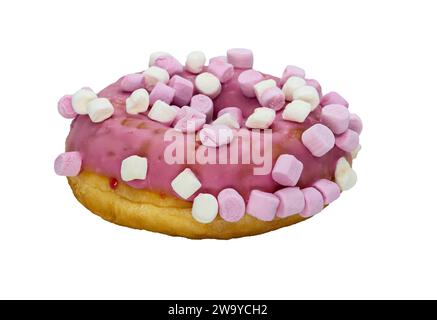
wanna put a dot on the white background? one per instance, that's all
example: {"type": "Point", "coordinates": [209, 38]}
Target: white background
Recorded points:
{"type": "Point", "coordinates": [378, 241]}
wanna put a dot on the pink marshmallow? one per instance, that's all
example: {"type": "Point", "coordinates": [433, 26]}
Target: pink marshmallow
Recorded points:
{"type": "Point", "coordinates": [65, 108]}
{"type": "Point", "coordinates": [315, 84]}
{"type": "Point", "coordinates": [222, 70]}
{"type": "Point", "coordinates": [247, 80]}
{"type": "Point", "coordinates": [291, 201]}
{"type": "Point", "coordinates": [68, 164]}
{"type": "Point", "coordinates": [169, 63]}
{"type": "Point", "coordinates": [204, 104]}
{"type": "Point", "coordinates": [348, 141]}
{"type": "Point", "coordinates": [218, 59]}
{"type": "Point", "coordinates": [215, 135]}
{"type": "Point", "coordinates": [262, 205]}
{"type": "Point", "coordinates": [355, 123]}
{"type": "Point", "coordinates": [240, 58]}
{"type": "Point", "coordinates": [329, 190]}
{"type": "Point", "coordinates": [132, 82]}
{"type": "Point", "coordinates": [313, 202]}
{"type": "Point", "coordinates": [235, 112]}
{"type": "Point", "coordinates": [272, 98]}
{"type": "Point", "coordinates": [333, 98]}
{"type": "Point", "coordinates": [318, 139]}
{"type": "Point", "coordinates": [287, 170]}
{"type": "Point", "coordinates": [335, 117]}
{"type": "Point", "coordinates": [231, 205]}
{"type": "Point", "coordinates": [162, 92]}
{"type": "Point", "coordinates": [291, 71]}
{"type": "Point", "coordinates": [189, 120]}
{"type": "Point", "coordinates": [183, 90]}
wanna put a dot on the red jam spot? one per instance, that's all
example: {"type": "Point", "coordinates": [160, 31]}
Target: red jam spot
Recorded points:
{"type": "Point", "coordinates": [113, 183]}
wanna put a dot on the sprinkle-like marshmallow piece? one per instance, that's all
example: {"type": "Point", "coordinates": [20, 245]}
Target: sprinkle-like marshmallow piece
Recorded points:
{"type": "Point", "coordinates": [132, 82]}
{"type": "Point", "coordinates": [308, 94]}
{"type": "Point", "coordinates": [287, 170]}
{"type": "Point", "coordinates": [153, 75]}
{"type": "Point", "coordinates": [218, 59]}
{"type": "Point", "coordinates": [335, 117]}
{"type": "Point", "coordinates": [247, 80]}
{"type": "Point", "coordinates": [227, 119]}
{"type": "Point", "coordinates": [100, 109]}
{"type": "Point", "coordinates": [189, 120]}
{"type": "Point", "coordinates": [65, 107]}
{"type": "Point", "coordinates": [156, 55]}
{"type": "Point", "coordinates": [345, 176]}
{"type": "Point", "coordinates": [208, 84]}
{"type": "Point", "coordinates": [262, 205]}
{"type": "Point", "coordinates": [329, 190]}
{"type": "Point", "coordinates": [292, 71]}
{"type": "Point", "coordinates": [240, 58]}
{"type": "Point", "coordinates": [215, 135]}
{"type": "Point", "coordinates": [261, 118]}
{"type": "Point", "coordinates": [354, 153]}
{"type": "Point", "coordinates": [185, 184]}
{"type": "Point", "coordinates": [134, 168]}
{"type": "Point", "coordinates": [355, 123]}
{"type": "Point", "coordinates": [348, 141]}
{"type": "Point", "coordinates": [296, 111]}
{"type": "Point", "coordinates": [205, 208]}
{"type": "Point", "coordinates": [261, 86]}
{"type": "Point", "coordinates": [137, 102]}
{"type": "Point", "coordinates": [222, 70]}
{"type": "Point", "coordinates": [333, 98]}
{"type": "Point", "coordinates": [291, 201]}
{"type": "Point", "coordinates": [162, 92]}
{"type": "Point", "coordinates": [195, 62]}
{"type": "Point", "coordinates": [235, 112]}
{"type": "Point", "coordinates": [313, 202]}
{"type": "Point", "coordinates": [291, 85]}
{"type": "Point", "coordinates": [272, 98]}
{"type": "Point", "coordinates": [314, 83]}
{"type": "Point", "coordinates": [170, 64]}
{"type": "Point", "coordinates": [162, 112]}
{"type": "Point", "coordinates": [68, 164]}
{"type": "Point", "coordinates": [80, 100]}
{"type": "Point", "coordinates": [318, 139]}
{"type": "Point", "coordinates": [231, 205]}
{"type": "Point", "coordinates": [183, 90]}
{"type": "Point", "coordinates": [203, 104]}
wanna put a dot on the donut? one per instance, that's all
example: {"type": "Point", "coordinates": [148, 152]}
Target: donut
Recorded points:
{"type": "Point", "coordinates": [208, 151]}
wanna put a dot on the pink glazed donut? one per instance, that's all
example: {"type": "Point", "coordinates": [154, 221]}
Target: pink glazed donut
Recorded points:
{"type": "Point", "coordinates": [208, 151]}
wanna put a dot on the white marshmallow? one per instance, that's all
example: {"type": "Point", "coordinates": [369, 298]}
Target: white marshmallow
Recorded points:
{"type": "Point", "coordinates": [205, 208]}
{"type": "Point", "coordinates": [345, 176]}
{"type": "Point", "coordinates": [261, 118]}
{"type": "Point", "coordinates": [137, 102]}
{"type": "Point", "coordinates": [162, 112]}
{"type": "Point", "coordinates": [228, 120]}
{"type": "Point", "coordinates": [156, 55]}
{"type": "Point", "coordinates": [208, 84]}
{"type": "Point", "coordinates": [134, 167]}
{"type": "Point", "coordinates": [153, 75]}
{"type": "Point", "coordinates": [355, 152]}
{"type": "Point", "coordinates": [100, 109]}
{"type": "Point", "coordinates": [80, 100]}
{"type": "Point", "coordinates": [186, 184]}
{"type": "Point", "coordinates": [291, 85]}
{"type": "Point", "coordinates": [195, 62]}
{"type": "Point", "coordinates": [308, 94]}
{"type": "Point", "coordinates": [296, 111]}
{"type": "Point", "coordinates": [261, 86]}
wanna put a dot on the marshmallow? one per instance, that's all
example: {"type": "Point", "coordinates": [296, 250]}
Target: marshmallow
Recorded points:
{"type": "Point", "coordinates": [195, 62]}
{"type": "Point", "coordinates": [183, 90]}
{"type": "Point", "coordinates": [189, 119]}
{"type": "Point", "coordinates": [235, 112]}
{"type": "Point", "coordinates": [333, 98]}
{"type": "Point", "coordinates": [170, 64]}
{"type": "Point", "coordinates": [355, 123]}
{"type": "Point", "coordinates": [222, 70]}
{"type": "Point", "coordinates": [292, 71]}
{"type": "Point", "coordinates": [133, 168]}
{"type": "Point", "coordinates": [218, 59]}
{"type": "Point", "coordinates": [345, 176]}
{"type": "Point", "coordinates": [291, 201]}
{"type": "Point", "coordinates": [348, 141]}
{"type": "Point", "coordinates": [291, 85]}
{"type": "Point", "coordinates": [308, 94]}
{"type": "Point", "coordinates": [231, 205]}
{"type": "Point", "coordinates": [227, 119]}
{"type": "Point", "coordinates": [314, 83]}
{"type": "Point", "coordinates": [137, 102]}
{"type": "Point", "coordinates": [287, 170]}
{"type": "Point", "coordinates": [247, 80]}
{"type": "Point", "coordinates": [80, 100]}
{"type": "Point", "coordinates": [68, 164]}
{"type": "Point", "coordinates": [313, 202]}
{"type": "Point", "coordinates": [153, 75]}
{"type": "Point", "coordinates": [205, 208]}
{"type": "Point", "coordinates": [296, 111]}
{"type": "Point", "coordinates": [272, 98]}
{"type": "Point", "coordinates": [261, 118]}
{"type": "Point", "coordinates": [262, 205]}
{"type": "Point", "coordinates": [132, 82]}
{"type": "Point", "coordinates": [156, 55]}
{"type": "Point", "coordinates": [162, 112]}
{"type": "Point", "coordinates": [215, 135]}
{"type": "Point", "coordinates": [335, 117]}
{"type": "Point", "coordinates": [318, 139]}
{"type": "Point", "coordinates": [261, 86]}
{"type": "Point", "coordinates": [354, 153]}
{"type": "Point", "coordinates": [329, 190]}
{"type": "Point", "coordinates": [240, 58]}
{"type": "Point", "coordinates": [100, 109]}
{"type": "Point", "coordinates": [185, 184]}
{"type": "Point", "coordinates": [208, 84]}
{"type": "Point", "coordinates": [203, 104]}
{"type": "Point", "coordinates": [65, 107]}
{"type": "Point", "coordinates": [162, 92]}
